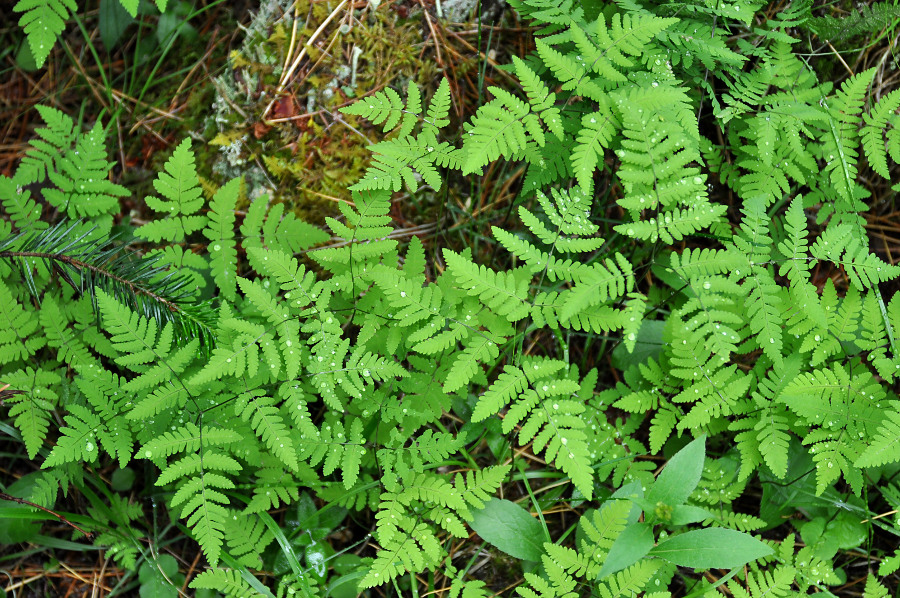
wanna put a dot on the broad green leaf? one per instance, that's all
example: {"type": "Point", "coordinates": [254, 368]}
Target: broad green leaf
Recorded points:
{"type": "Point", "coordinates": [634, 492]}
{"type": "Point", "coordinates": [680, 476]}
{"type": "Point", "coordinates": [684, 514]}
{"type": "Point", "coordinates": [16, 523]}
{"type": "Point", "coordinates": [632, 545]}
{"type": "Point", "coordinates": [508, 527]}
{"type": "Point", "coordinates": [114, 20]}
{"type": "Point", "coordinates": [711, 548]}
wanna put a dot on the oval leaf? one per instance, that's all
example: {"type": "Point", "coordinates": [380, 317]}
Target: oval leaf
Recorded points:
{"type": "Point", "coordinates": [680, 476]}
{"type": "Point", "coordinates": [508, 527]}
{"type": "Point", "coordinates": [711, 548]}
{"type": "Point", "coordinates": [632, 545]}
{"type": "Point", "coordinates": [684, 514]}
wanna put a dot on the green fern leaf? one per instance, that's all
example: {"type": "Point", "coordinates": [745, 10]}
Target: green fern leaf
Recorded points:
{"type": "Point", "coordinates": [606, 50]}
{"type": "Point", "coordinates": [495, 130]}
{"type": "Point", "coordinates": [260, 412]}
{"type": "Point", "coordinates": [187, 439]}
{"type": "Point", "coordinates": [382, 107]}
{"type": "Point", "coordinates": [570, 71]}
{"type": "Point", "coordinates": [192, 464]}
{"type": "Point", "coordinates": [201, 500]}
{"type": "Point", "coordinates": [275, 487]}
{"type": "Point", "coordinates": [674, 225]}
{"type": "Point", "coordinates": [841, 244]}
{"type": "Point", "coordinates": [872, 137]}
{"type": "Point", "coordinates": [483, 348]}
{"type": "Point", "coordinates": [439, 107]}
{"type": "Point", "coordinates": [18, 340]}
{"type": "Point", "coordinates": [764, 308]}
{"type": "Point", "coordinates": [31, 408]}
{"type": "Point", "coordinates": [841, 141]}
{"type": "Point", "coordinates": [605, 281]}
{"type": "Point", "coordinates": [882, 449]}
{"type": "Point", "coordinates": [42, 22]}
{"type": "Point", "coordinates": [70, 348]}
{"type": "Point", "coordinates": [503, 292]}
{"type": "Point", "coordinates": [874, 589]}
{"type": "Point", "coordinates": [179, 187]}
{"type": "Point", "coordinates": [509, 384]}
{"type": "Point", "coordinates": [83, 188]}
{"type": "Point", "coordinates": [53, 142]}
{"type": "Point", "coordinates": [23, 211]}
{"type": "Point", "coordinates": [220, 232]}
{"type": "Point", "coordinates": [398, 558]}
{"type": "Point", "coordinates": [595, 136]}
{"type": "Point", "coordinates": [79, 438]}
{"type": "Point", "coordinates": [228, 581]}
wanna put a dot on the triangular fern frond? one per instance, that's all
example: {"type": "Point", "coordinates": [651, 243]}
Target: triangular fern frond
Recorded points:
{"type": "Point", "coordinates": [42, 22]}
{"type": "Point", "coordinates": [181, 198]}
{"type": "Point", "coordinates": [82, 187]}
{"type": "Point", "coordinates": [54, 140]}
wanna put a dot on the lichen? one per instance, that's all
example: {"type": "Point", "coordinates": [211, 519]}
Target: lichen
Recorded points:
{"type": "Point", "coordinates": [288, 138]}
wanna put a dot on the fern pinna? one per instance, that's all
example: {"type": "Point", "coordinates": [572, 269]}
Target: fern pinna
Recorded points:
{"type": "Point", "coordinates": [735, 295]}
{"type": "Point", "coordinates": [43, 21]}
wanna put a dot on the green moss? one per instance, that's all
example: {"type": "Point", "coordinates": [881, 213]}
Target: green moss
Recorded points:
{"type": "Point", "coordinates": [293, 140]}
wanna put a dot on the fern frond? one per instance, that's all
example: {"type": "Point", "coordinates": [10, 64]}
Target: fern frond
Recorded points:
{"type": "Point", "coordinates": [186, 439]}
{"type": "Point", "coordinates": [70, 348]}
{"type": "Point", "coordinates": [79, 438]}
{"type": "Point", "coordinates": [83, 188]}
{"type": "Point", "coordinates": [655, 168]}
{"type": "Point", "coordinates": [43, 21]}
{"type": "Point", "coordinates": [23, 211]}
{"type": "Point", "coordinates": [597, 130]}
{"type": "Point", "coordinates": [607, 49]}
{"type": "Point", "coordinates": [179, 187]}
{"type": "Point", "coordinates": [841, 139]}
{"type": "Point", "coordinates": [477, 487]}
{"type": "Point", "coordinates": [506, 293]}
{"type": "Point", "coordinates": [192, 464]}
{"type": "Point", "coordinates": [499, 128]}
{"type": "Point", "coordinates": [481, 348]}
{"type": "Point", "coordinates": [605, 281]}
{"type": "Point", "coordinates": [872, 132]}
{"type": "Point", "coordinates": [674, 225]}
{"type": "Point", "coordinates": [509, 384]}
{"type": "Point", "coordinates": [18, 326]}
{"type": "Point", "coordinates": [366, 230]}
{"type": "Point", "coordinates": [549, 414]}
{"type": "Point", "coordinates": [411, 552]}
{"type": "Point", "coordinates": [764, 308]}
{"type": "Point", "coordinates": [776, 584]}
{"type": "Point", "coordinates": [201, 499]}
{"type": "Point", "coordinates": [882, 448]}
{"type": "Point", "coordinates": [220, 232]}
{"type": "Point", "coordinates": [255, 408]}
{"type": "Point", "coordinates": [570, 71]}
{"type": "Point", "coordinates": [228, 581]}
{"type": "Point", "coordinates": [54, 140]}
{"type": "Point", "coordinates": [32, 406]}
{"type": "Point", "coordinates": [439, 107]}
{"type": "Point", "coordinates": [842, 245]}
{"type": "Point", "coordinates": [381, 107]}
{"type": "Point", "coordinates": [397, 161]}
